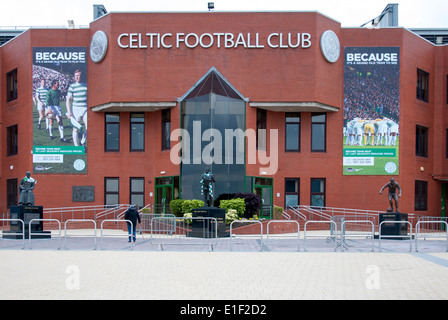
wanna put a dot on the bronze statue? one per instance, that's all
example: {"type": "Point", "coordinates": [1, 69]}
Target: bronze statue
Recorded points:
{"type": "Point", "coordinates": [26, 187]}
{"type": "Point", "coordinates": [393, 186]}
{"type": "Point", "coordinates": [207, 187]}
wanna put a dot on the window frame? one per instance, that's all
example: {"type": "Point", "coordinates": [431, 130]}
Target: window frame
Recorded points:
{"type": "Point", "coordinates": [261, 125]}
{"type": "Point", "coordinates": [292, 123]}
{"type": "Point", "coordinates": [111, 193]}
{"type": "Point", "coordinates": [137, 193]}
{"type": "Point", "coordinates": [422, 92]}
{"type": "Point", "coordinates": [295, 193]}
{"type": "Point", "coordinates": [132, 124]}
{"type": "Point", "coordinates": [421, 141]}
{"type": "Point", "coordinates": [108, 124]}
{"type": "Point", "coordinates": [12, 140]}
{"type": "Point", "coordinates": [166, 121]}
{"type": "Point", "coordinates": [319, 123]}
{"type": "Point", "coordinates": [320, 193]}
{"type": "Point", "coordinates": [421, 195]}
{"type": "Point", "coordinates": [11, 86]}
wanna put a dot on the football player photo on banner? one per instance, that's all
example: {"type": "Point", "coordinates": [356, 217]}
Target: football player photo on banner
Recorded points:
{"type": "Point", "coordinates": [371, 111]}
{"type": "Point", "coordinates": [60, 110]}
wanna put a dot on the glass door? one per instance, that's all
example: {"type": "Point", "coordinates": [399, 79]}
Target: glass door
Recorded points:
{"type": "Point", "coordinates": [167, 189]}
{"type": "Point", "coordinates": [265, 192]}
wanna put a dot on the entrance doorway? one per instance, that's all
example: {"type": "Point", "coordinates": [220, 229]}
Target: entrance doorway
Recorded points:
{"type": "Point", "coordinates": [167, 189]}
{"type": "Point", "coordinates": [263, 187]}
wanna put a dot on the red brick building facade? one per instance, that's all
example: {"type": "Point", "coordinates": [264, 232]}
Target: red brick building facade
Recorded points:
{"type": "Point", "coordinates": [274, 62]}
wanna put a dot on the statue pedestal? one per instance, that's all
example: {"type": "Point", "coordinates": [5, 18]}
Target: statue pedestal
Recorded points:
{"type": "Point", "coordinates": [205, 228]}
{"type": "Point", "coordinates": [393, 228]}
{"type": "Point", "coordinates": [26, 214]}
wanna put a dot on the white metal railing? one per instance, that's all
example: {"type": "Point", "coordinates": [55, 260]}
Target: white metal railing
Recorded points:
{"type": "Point", "coordinates": [422, 231]}
{"type": "Point", "coordinates": [184, 231]}
{"type": "Point", "coordinates": [79, 234]}
{"type": "Point", "coordinates": [30, 233]}
{"type": "Point", "coordinates": [96, 212]}
{"type": "Point", "coordinates": [115, 235]}
{"type": "Point", "coordinates": [173, 230]}
{"type": "Point", "coordinates": [239, 235]}
{"type": "Point", "coordinates": [358, 232]}
{"type": "Point", "coordinates": [332, 236]}
{"type": "Point", "coordinates": [407, 235]}
{"type": "Point", "coordinates": [17, 233]}
{"type": "Point", "coordinates": [294, 236]}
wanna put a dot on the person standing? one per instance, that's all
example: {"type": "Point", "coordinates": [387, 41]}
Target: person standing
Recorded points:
{"type": "Point", "coordinates": [133, 216]}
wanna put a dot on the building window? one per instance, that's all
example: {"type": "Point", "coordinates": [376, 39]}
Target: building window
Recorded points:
{"type": "Point", "coordinates": [112, 132]}
{"type": "Point", "coordinates": [11, 85]}
{"type": "Point", "coordinates": [137, 192]}
{"type": "Point", "coordinates": [422, 85]}
{"type": "Point", "coordinates": [318, 192]}
{"type": "Point", "coordinates": [166, 129]}
{"type": "Point", "coordinates": [292, 131]}
{"type": "Point", "coordinates": [421, 195]}
{"type": "Point", "coordinates": [421, 141]}
{"type": "Point", "coordinates": [111, 191]}
{"type": "Point", "coordinates": [318, 132]}
{"type": "Point", "coordinates": [11, 192]}
{"type": "Point", "coordinates": [137, 132]}
{"type": "Point", "coordinates": [292, 192]}
{"type": "Point", "coordinates": [11, 140]}
{"type": "Point", "coordinates": [261, 129]}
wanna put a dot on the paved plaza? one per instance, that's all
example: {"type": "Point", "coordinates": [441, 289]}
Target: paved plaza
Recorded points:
{"type": "Point", "coordinates": [181, 273]}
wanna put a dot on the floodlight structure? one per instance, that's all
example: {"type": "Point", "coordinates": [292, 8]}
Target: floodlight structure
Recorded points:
{"type": "Point", "coordinates": [387, 18]}
{"type": "Point", "coordinates": [98, 11]}
{"type": "Point", "coordinates": [211, 6]}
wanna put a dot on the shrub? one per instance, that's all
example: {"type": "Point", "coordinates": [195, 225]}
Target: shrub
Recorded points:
{"type": "Point", "coordinates": [176, 207]}
{"type": "Point", "coordinates": [252, 202]}
{"type": "Point", "coordinates": [188, 205]}
{"type": "Point", "coordinates": [146, 210]}
{"type": "Point", "coordinates": [236, 204]}
{"type": "Point", "coordinates": [231, 215]}
{"type": "Point", "coordinates": [278, 211]}
{"type": "Point", "coordinates": [188, 217]}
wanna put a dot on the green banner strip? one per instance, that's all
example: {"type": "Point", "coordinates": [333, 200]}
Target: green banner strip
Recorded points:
{"type": "Point", "coordinates": [380, 152]}
{"type": "Point", "coordinates": [58, 150]}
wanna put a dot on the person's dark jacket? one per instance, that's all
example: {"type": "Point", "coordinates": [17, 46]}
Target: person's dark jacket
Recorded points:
{"type": "Point", "coordinates": [132, 215]}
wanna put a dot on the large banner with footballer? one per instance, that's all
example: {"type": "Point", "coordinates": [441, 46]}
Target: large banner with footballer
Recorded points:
{"type": "Point", "coordinates": [60, 110]}
{"type": "Point", "coordinates": [371, 110]}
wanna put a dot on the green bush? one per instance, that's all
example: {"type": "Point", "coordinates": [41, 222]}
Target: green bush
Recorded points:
{"type": "Point", "coordinates": [146, 210]}
{"type": "Point", "coordinates": [176, 207]}
{"type": "Point", "coordinates": [278, 211]}
{"type": "Point", "coordinates": [189, 205]}
{"type": "Point", "coordinates": [236, 204]}
{"type": "Point", "coordinates": [231, 216]}
{"type": "Point", "coordinates": [252, 201]}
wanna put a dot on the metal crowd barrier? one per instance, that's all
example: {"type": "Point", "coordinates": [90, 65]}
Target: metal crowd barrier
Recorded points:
{"type": "Point", "coordinates": [408, 235]}
{"type": "Point", "coordinates": [78, 234]}
{"type": "Point", "coordinates": [114, 235]}
{"type": "Point", "coordinates": [203, 231]}
{"type": "Point", "coordinates": [233, 236]}
{"type": "Point", "coordinates": [30, 234]}
{"type": "Point", "coordinates": [284, 236]}
{"type": "Point", "coordinates": [357, 233]}
{"type": "Point", "coordinates": [184, 231]}
{"type": "Point", "coordinates": [426, 235]}
{"type": "Point", "coordinates": [23, 229]}
{"type": "Point", "coordinates": [333, 232]}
